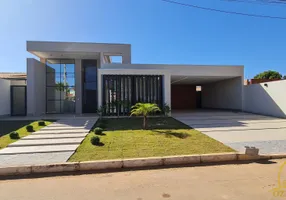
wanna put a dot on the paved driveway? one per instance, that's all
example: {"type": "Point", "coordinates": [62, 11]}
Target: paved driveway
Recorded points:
{"type": "Point", "coordinates": [238, 130]}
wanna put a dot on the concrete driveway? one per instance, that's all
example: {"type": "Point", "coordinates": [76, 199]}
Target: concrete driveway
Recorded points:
{"type": "Point", "coordinates": [238, 130]}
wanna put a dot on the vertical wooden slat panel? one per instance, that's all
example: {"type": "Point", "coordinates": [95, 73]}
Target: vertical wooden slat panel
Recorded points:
{"type": "Point", "coordinates": [130, 89]}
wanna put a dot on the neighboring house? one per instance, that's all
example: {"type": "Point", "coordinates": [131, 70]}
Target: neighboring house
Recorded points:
{"type": "Point", "coordinates": [16, 78]}
{"type": "Point", "coordinates": [13, 93]}
{"type": "Point", "coordinates": [73, 77]}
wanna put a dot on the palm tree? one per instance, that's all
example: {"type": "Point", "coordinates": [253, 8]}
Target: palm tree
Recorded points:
{"type": "Point", "coordinates": [144, 109]}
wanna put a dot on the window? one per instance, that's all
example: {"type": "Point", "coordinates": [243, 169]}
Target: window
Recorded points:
{"type": "Point", "coordinates": [60, 82]}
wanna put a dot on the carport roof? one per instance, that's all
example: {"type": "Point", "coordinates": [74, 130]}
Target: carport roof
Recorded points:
{"type": "Point", "coordinates": [197, 80]}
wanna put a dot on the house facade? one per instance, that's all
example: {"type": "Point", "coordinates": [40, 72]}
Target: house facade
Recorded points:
{"type": "Point", "coordinates": [78, 78]}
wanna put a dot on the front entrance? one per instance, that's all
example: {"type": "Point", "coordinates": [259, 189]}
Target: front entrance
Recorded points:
{"type": "Point", "coordinates": [89, 84]}
{"type": "Point", "coordinates": [18, 100]}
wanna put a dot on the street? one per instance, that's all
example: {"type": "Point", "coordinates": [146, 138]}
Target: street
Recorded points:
{"type": "Point", "coordinates": [233, 181]}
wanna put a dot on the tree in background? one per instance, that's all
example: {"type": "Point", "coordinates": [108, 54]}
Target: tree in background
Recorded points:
{"type": "Point", "coordinates": [284, 77]}
{"type": "Point", "coordinates": [268, 75]}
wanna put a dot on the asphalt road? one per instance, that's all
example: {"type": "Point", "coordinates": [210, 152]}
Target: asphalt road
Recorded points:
{"type": "Point", "coordinates": [243, 181]}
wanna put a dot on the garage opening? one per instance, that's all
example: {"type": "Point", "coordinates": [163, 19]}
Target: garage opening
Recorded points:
{"type": "Point", "coordinates": [212, 92]}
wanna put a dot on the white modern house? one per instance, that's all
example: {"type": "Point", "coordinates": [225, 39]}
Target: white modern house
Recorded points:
{"type": "Point", "coordinates": [72, 77]}
{"type": "Point", "coordinates": [78, 78]}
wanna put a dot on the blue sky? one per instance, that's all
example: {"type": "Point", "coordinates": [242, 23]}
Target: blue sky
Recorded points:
{"type": "Point", "coordinates": [159, 32]}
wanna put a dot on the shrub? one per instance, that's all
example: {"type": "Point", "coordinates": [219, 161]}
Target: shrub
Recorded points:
{"type": "Point", "coordinates": [14, 135]}
{"type": "Point", "coordinates": [98, 131]}
{"type": "Point", "coordinates": [101, 125]}
{"type": "Point", "coordinates": [41, 123]}
{"type": "Point", "coordinates": [95, 140]}
{"type": "Point", "coordinates": [30, 128]}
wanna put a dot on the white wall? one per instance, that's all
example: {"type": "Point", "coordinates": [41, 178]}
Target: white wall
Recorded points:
{"type": "Point", "coordinates": [79, 47]}
{"type": "Point", "coordinates": [5, 97]}
{"type": "Point", "coordinates": [226, 94]}
{"type": "Point", "coordinates": [180, 70]}
{"type": "Point", "coordinates": [36, 87]}
{"type": "Point", "coordinates": [267, 100]}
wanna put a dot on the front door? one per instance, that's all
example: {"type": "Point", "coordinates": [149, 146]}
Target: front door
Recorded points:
{"type": "Point", "coordinates": [89, 82]}
{"type": "Point", "coordinates": [18, 100]}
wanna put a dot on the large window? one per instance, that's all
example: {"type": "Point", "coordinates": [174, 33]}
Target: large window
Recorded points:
{"type": "Point", "coordinates": [60, 82]}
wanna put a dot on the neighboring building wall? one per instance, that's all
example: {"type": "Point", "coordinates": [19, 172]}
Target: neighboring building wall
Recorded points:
{"type": "Point", "coordinates": [269, 99]}
{"type": "Point", "coordinates": [18, 82]}
{"type": "Point", "coordinates": [5, 97]}
{"type": "Point", "coordinates": [183, 97]}
{"type": "Point", "coordinates": [36, 87]}
{"type": "Point", "coordinates": [226, 94]}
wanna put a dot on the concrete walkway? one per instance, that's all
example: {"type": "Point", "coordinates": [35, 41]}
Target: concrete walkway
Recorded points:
{"type": "Point", "coordinates": [52, 144]}
{"type": "Point", "coordinates": [238, 130]}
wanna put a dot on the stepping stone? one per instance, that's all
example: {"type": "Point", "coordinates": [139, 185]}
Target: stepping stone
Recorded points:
{"type": "Point", "coordinates": [59, 131]}
{"type": "Point", "coordinates": [54, 136]}
{"type": "Point", "coordinates": [42, 142]}
{"type": "Point", "coordinates": [64, 128]}
{"type": "Point", "coordinates": [38, 149]}
{"type": "Point", "coordinates": [34, 159]}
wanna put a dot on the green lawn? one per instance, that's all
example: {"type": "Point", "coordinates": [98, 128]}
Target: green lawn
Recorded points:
{"type": "Point", "coordinates": [124, 138]}
{"type": "Point", "coordinates": [5, 139]}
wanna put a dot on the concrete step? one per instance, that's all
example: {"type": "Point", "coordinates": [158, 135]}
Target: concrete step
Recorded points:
{"type": "Point", "coordinates": [53, 136]}
{"type": "Point", "coordinates": [43, 142]}
{"type": "Point", "coordinates": [38, 149]}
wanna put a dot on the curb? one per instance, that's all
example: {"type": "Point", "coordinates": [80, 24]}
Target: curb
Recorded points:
{"type": "Point", "coordinates": [133, 163]}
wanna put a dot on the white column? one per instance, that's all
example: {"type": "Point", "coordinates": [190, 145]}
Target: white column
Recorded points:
{"type": "Point", "coordinates": [78, 87]}
{"type": "Point", "coordinates": [167, 89]}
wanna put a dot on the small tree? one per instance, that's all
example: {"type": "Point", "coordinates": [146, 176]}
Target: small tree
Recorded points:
{"type": "Point", "coordinates": [284, 77]}
{"type": "Point", "coordinates": [144, 109]}
{"type": "Point", "coordinates": [268, 75]}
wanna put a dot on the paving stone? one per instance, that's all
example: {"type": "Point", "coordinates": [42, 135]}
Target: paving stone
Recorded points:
{"type": "Point", "coordinates": [37, 149]}
{"type": "Point", "coordinates": [34, 159]}
{"type": "Point", "coordinates": [54, 136]}
{"type": "Point", "coordinates": [46, 142]}
{"type": "Point", "coordinates": [61, 131]}
{"type": "Point", "coordinates": [63, 128]}
{"type": "Point", "coordinates": [52, 144]}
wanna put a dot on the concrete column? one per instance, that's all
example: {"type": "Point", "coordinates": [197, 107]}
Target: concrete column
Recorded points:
{"type": "Point", "coordinates": [100, 60]}
{"type": "Point", "coordinates": [36, 87]}
{"type": "Point", "coordinates": [99, 89]}
{"type": "Point", "coordinates": [78, 87]}
{"type": "Point", "coordinates": [167, 89]}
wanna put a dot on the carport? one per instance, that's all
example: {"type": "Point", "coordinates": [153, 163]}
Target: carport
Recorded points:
{"type": "Point", "coordinates": [216, 92]}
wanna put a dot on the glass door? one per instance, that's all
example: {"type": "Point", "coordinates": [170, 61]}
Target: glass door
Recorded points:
{"type": "Point", "coordinates": [89, 100]}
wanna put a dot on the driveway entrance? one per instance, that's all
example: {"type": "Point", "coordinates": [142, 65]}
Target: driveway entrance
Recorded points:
{"type": "Point", "coordinates": [238, 130]}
